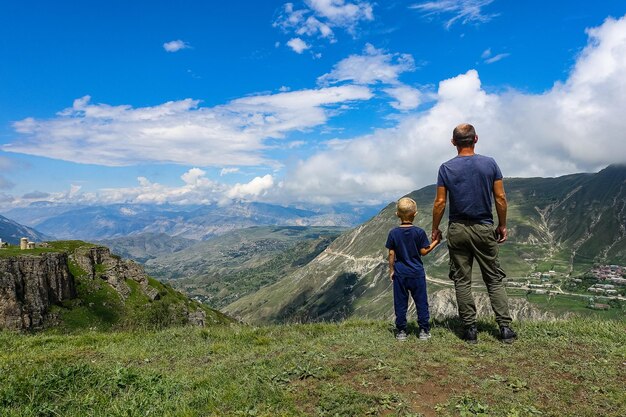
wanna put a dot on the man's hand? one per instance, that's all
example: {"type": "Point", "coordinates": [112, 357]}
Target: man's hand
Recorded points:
{"type": "Point", "coordinates": [391, 275]}
{"type": "Point", "coordinates": [501, 234]}
{"type": "Point", "coordinates": [436, 235]}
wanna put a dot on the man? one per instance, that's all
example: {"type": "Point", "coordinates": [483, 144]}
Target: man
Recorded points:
{"type": "Point", "coordinates": [470, 180]}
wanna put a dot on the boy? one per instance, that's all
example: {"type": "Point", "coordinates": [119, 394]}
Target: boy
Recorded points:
{"type": "Point", "coordinates": [406, 244]}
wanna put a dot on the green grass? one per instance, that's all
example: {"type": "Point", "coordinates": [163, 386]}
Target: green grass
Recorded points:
{"type": "Point", "coordinates": [68, 246]}
{"type": "Point", "coordinates": [16, 251]}
{"type": "Point", "coordinates": [564, 304]}
{"type": "Point", "coordinates": [96, 306]}
{"type": "Point", "coordinates": [354, 368]}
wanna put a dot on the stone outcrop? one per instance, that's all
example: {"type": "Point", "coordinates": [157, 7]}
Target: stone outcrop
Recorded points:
{"type": "Point", "coordinates": [443, 304]}
{"type": "Point", "coordinates": [99, 263]}
{"type": "Point", "coordinates": [29, 285]}
{"type": "Point", "coordinates": [196, 318]}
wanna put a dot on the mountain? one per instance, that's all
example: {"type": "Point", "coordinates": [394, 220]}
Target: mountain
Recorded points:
{"type": "Point", "coordinates": [198, 222]}
{"type": "Point", "coordinates": [224, 268]}
{"type": "Point", "coordinates": [12, 232]}
{"type": "Point", "coordinates": [560, 226]}
{"type": "Point", "coordinates": [39, 211]}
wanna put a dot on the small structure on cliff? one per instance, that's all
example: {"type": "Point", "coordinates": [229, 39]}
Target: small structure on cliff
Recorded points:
{"type": "Point", "coordinates": [26, 244]}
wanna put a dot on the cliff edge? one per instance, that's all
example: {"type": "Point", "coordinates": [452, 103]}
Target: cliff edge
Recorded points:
{"type": "Point", "coordinates": [30, 285]}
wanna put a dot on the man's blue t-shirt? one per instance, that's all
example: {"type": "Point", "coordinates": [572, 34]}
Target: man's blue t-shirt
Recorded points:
{"type": "Point", "coordinates": [469, 181]}
{"type": "Point", "coordinates": [406, 243]}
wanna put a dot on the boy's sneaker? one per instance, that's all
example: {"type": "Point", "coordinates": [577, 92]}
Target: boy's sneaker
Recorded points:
{"type": "Point", "coordinates": [470, 335]}
{"type": "Point", "coordinates": [401, 336]}
{"type": "Point", "coordinates": [507, 334]}
{"type": "Point", "coordinates": [423, 335]}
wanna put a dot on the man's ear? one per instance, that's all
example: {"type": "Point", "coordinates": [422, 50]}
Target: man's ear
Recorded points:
{"type": "Point", "coordinates": [453, 142]}
{"type": "Point", "coordinates": [475, 139]}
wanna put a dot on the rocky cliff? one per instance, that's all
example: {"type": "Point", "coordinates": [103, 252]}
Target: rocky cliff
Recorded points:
{"type": "Point", "coordinates": [29, 285]}
{"type": "Point", "coordinates": [98, 262]}
{"type": "Point", "coordinates": [74, 285]}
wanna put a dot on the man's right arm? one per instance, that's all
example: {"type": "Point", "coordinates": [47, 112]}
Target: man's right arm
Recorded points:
{"type": "Point", "coordinates": [439, 207]}
{"type": "Point", "coordinates": [501, 207]}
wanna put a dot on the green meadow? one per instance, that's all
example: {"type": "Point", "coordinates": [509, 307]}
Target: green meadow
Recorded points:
{"type": "Point", "coordinates": [574, 367]}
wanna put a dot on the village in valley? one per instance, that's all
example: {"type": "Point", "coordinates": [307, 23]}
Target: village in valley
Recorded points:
{"type": "Point", "coordinates": [600, 285]}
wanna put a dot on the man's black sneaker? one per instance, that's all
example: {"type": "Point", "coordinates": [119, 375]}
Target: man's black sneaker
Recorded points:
{"type": "Point", "coordinates": [471, 335]}
{"type": "Point", "coordinates": [507, 334]}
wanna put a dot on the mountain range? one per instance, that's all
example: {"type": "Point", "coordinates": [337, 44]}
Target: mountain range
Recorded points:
{"type": "Point", "coordinates": [197, 222]}
{"type": "Point", "coordinates": [563, 224]}
{"type": "Point", "coordinates": [274, 273]}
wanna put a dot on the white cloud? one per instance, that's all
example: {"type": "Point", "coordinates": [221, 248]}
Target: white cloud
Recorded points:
{"type": "Point", "coordinates": [297, 45]}
{"type": "Point", "coordinates": [407, 98]}
{"type": "Point", "coordinates": [373, 66]}
{"type": "Point", "coordinates": [464, 11]}
{"type": "Point", "coordinates": [341, 13]}
{"type": "Point", "coordinates": [175, 46]}
{"type": "Point", "coordinates": [196, 188]}
{"type": "Point", "coordinates": [226, 171]}
{"type": "Point", "coordinates": [376, 66]}
{"type": "Point", "coordinates": [318, 18]}
{"type": "Point", "coordinates": [255, 188]}
{"type": "Point", "coordinates": [576, 126]}
{"type": "Point", "coordinates": [496, 58]}
{"type": "Point", "coordinates": [179, 132]}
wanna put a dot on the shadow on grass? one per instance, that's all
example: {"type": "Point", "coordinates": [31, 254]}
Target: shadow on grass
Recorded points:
{"type": "Point", "coordinates": [455, 325]}
{"type": "Point", "coordinates": [452, 324]}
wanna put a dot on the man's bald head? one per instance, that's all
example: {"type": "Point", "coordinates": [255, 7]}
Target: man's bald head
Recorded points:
{"type": "Point", "coordinates": [464, 135]}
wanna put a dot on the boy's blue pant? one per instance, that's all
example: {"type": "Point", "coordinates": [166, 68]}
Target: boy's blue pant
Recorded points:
{"type": "Point", "coordinates": [417, 287]}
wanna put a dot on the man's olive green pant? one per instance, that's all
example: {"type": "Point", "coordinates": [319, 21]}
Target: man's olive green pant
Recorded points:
{"type": "Point", "coordinates": [466, 242]}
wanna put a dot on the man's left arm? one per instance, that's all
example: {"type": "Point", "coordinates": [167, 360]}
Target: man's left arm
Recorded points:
{"type": "Point", "coordinates": [501, 207]}
{"type": "Point", "coordinates": [439, 207]}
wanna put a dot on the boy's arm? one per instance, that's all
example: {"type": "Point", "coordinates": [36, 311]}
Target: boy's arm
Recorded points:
{"type": "Point", "coordinates": [429, 248]}
{"type": "Point", "coordinates": [392, 258]}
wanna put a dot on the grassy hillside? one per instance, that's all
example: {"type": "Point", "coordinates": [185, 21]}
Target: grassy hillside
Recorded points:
{"type": "Point", "coordinates": [98, 305]}
{"type": "Point", "coordinates": [355, 368]}
{"type": "Point", "coordinates": [558, 226]}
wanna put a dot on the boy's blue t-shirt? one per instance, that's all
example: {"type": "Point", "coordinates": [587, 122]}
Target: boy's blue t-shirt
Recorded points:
{"type": "Point", "coordinates": [469, 181]}
{"type": "Point", "coordinates": [406, 243]}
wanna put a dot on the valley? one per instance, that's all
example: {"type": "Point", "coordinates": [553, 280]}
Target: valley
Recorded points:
{"type": "Point", "coordinates": [560, 230]}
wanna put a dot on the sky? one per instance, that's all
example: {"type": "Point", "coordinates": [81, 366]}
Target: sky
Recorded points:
{"type": "Point", "coordinates": [303, 102]}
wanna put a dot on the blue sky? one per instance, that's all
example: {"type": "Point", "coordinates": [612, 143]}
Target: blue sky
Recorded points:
{"type": "Point", "coordinates": [318, 101]}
